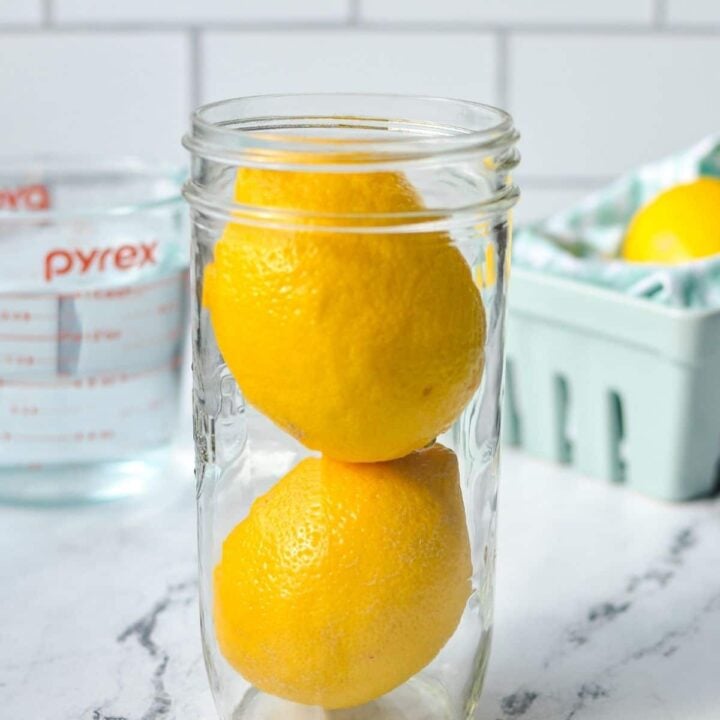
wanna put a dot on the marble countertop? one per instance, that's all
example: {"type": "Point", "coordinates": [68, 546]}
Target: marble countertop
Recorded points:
{"type": "Point", "coordinates": [608, 606]}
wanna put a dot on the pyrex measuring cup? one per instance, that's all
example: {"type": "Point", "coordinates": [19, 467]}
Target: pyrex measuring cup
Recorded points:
{"type": "Point", "coordinates": [92, 323]}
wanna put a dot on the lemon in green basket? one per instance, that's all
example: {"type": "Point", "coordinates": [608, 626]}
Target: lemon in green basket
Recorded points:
{"type": "Point", "coordinates": [680, 224]}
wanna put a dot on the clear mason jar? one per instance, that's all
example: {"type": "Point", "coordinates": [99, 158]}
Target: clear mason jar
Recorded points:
{"type": "Point", "coordinates": [350, 260]}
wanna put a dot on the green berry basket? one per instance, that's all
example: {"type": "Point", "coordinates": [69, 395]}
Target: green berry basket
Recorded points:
{"type": "Point", "coordinates": [614, 367]}
{"type": "Point", "coordinates": [622, 389]}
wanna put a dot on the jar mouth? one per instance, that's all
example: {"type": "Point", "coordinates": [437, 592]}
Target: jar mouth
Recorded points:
{"type": "Point", "coordinates": [354, 133]}
{"type": "Point", "coordinates": [85, 186]}
{"type": "Point", "coordinates": [345, 130]}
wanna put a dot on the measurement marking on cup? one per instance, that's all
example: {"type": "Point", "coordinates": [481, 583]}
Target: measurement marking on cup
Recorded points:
{"type": "Point", "coordinates": [162, 309]}
{"type": "Point", "coordinates": [27, 410]}
{"type": "Point", "coordinates": [94, 336]}
{"type": "Point", "coordinates": [150, 406]}
{"type": "Point", "coordinates": [113, 293]}
{"type": "Point", "coordinates": [23, 316]}
{"type": "Point", "coordinates": [97, 381]}
{"type": "Point", "coordinates": [27, 360]}
{"type": "Point", "coordinates": [101, 294]}
{"type": "Point", "coordinates": [31, 360]}
{"type": "Point", "coordinates": [90, 436]}
{"type": "Point", "coordinates": [153, 339]}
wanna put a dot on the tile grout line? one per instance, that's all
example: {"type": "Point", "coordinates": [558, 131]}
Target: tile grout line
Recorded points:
{"type": "Point", "coordinates": [519, 29]}
{"type": "Point", "coordinates": [48, 15]}
{"type": "Point", "coordinates": [661, 13]}
{"type": "Point", "coordinates": [196, 68]}
{"type": "Point", "coordinates": [354, 14]}
{"type": "Point", "coordinates": [502, 60]}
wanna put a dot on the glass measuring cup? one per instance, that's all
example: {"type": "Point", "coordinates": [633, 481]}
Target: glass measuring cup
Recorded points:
{"type": "Point", "coordinates": [350, 263]}
{"type": "Point", "coordinates": [92, 324]}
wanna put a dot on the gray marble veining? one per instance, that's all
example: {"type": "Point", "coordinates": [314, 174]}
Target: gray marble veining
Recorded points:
{"type": "Point", "coordinates": [608, 606]}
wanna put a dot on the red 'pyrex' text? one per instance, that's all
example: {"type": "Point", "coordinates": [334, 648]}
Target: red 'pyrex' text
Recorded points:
{"type": "Point", "coordinates": [27, 197]}
{"type": "Point", "coordinates": [81, 262]}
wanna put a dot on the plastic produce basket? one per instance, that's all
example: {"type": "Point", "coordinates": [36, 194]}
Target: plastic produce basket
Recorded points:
{"type": "Point", "coordinates": [621, 388]}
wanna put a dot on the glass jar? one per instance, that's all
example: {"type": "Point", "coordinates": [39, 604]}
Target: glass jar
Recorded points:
{"type": "Point", "coordinates": [93, 316]}
{"type": "Point", "coordinates": [350, 260]}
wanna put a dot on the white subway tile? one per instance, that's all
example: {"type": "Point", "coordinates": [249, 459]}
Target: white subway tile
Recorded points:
{"type": "Point", "coordinates": [192, 11]}
{"type": "Point", "coordinates": [20, 12]}
{"type": "Point", "coordinates": [596, 105]}
{"type": "Point", "coordinates": [537, 203]}
{"type": "Point", "coordinates": [100, 93]}
{"type": "Point", "coordinates": [556, 12]}
{"type": "Point", "coordinates": [693, 12]}
{"type": "Point", "coordinates": [452, 65]}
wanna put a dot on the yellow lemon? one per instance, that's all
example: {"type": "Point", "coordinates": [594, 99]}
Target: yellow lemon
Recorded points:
{"type": "Point", "coordinates": [680, 224]}
{"type": "Point", "coordinates": [344, 580]}
{"type": "Point", "coordinates": [362, 346]}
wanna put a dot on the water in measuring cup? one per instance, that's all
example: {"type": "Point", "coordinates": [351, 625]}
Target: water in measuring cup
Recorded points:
{"type": "Point", "coordinates": [92, 323]}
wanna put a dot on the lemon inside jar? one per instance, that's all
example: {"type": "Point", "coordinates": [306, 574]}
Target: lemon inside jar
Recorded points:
{"type": "Point", "coordinates": [364, 346]}
{"type": "Point", "coordinates": [310, 603]}
{"type": "Point", "coordinates": [351, 573]}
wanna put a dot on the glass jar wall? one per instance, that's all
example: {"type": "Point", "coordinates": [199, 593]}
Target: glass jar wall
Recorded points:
{"type": "Point", "coordinates": [350, 262]}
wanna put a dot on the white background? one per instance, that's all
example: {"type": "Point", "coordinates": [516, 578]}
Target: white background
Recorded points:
{"type": "Point", "coordinates": [595, 87]}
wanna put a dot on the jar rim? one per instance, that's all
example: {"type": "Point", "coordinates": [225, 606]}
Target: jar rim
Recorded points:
{"type": "Point", "coordinates": [353, 133]}
{"type": "Point", "coordinates": [235, 130]}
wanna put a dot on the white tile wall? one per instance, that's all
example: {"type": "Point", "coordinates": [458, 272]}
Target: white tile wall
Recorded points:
{"type": "Point", "coordinates": [20, 12]}
{"type": "Point", "coordinates": [459, 65]}
{"type": "Point", "coordinates": [523, 12]}
{"type": "Point", "coordinates": [596, 87]}
{"type": "Point", "coordinates": [694, 12]}
{"type": "Point", "coordinates": [596, 105]}
{"type": "Point", "coordinates": [94, 93]}
{"type": "Point", "coordinates": [193, 11]}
